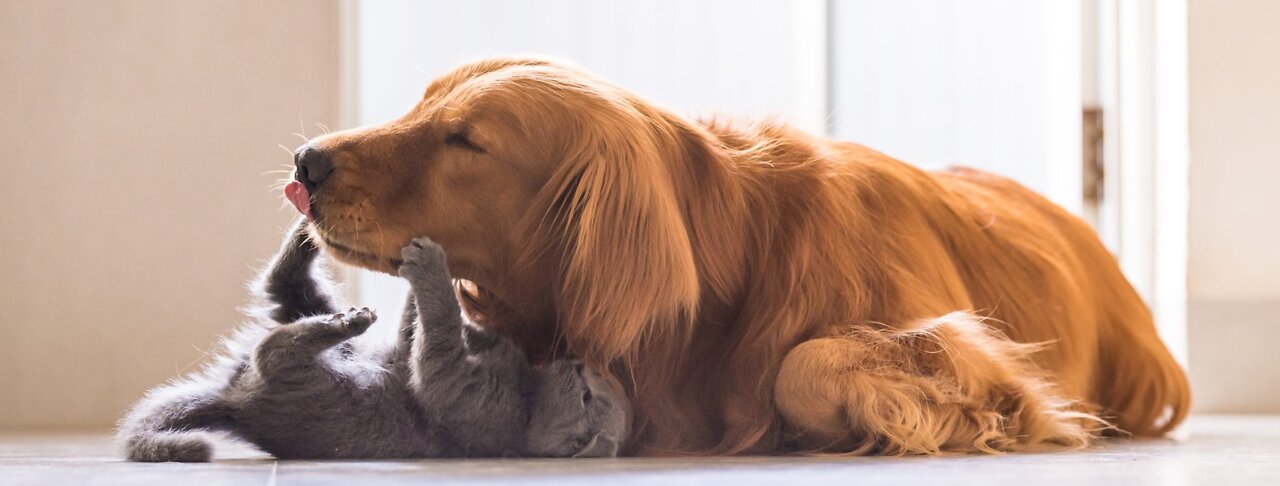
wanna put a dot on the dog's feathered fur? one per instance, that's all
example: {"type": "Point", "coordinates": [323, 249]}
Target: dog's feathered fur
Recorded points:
{"type": "Point", "coordinates": [294, 386]}
{"type": "Point", "coordinates": [757, 288]}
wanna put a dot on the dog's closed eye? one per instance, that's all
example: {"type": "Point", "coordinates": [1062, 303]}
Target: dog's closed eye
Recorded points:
{"type": "Point", "coordinates": [461, 140]}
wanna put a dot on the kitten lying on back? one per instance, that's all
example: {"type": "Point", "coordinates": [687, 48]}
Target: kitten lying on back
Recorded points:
{"type": "Point", "coordinates": [294, 386]}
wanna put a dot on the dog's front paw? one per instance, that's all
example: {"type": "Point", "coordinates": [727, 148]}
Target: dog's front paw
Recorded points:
{"type": "Point", "coordinates": [422, 261]}
{"type": "Point", "coordinates": [354, 322]}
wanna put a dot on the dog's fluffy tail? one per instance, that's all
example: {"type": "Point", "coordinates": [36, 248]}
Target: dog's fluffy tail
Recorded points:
{"type": "Point", "coordinates": [1144, 389]}
{"type": "Point", "coordinates": [172, 424]}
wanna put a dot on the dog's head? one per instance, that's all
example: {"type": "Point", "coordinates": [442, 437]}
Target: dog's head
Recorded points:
{"type": "Point", "coordinates": [547, 187]}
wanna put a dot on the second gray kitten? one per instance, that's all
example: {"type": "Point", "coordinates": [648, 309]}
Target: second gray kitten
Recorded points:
{"type": "Point", "coordinates": [294, 386]}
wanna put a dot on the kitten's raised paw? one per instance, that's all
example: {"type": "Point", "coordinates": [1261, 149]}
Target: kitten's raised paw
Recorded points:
{"type": "Point", "coordinates": [354, 321]}
{"type": "Point", "coordinates": [423, 259]}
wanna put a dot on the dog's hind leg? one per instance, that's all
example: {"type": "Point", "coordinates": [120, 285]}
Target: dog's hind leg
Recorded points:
{"type": "Point", "coordinates": [947, 385]}
{"type": "Point", "coordinates": [291, 282]}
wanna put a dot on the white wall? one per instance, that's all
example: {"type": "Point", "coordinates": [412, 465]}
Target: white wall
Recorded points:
{"type": "Point", "coordinates": [727, 55]}
{"type": "Point", "coordinates": [992, 84]}
{"type": "Point", "coordinates": [133, 199]}
{"type": "Point", "coordinates": [1234, 261]}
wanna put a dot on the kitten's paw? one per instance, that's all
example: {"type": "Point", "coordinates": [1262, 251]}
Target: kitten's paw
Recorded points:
{"type": "Point", "coordinates": [171, 447]}
{"type": "Point", "coordinates": [423, 260]}
{"type": "Point", "coordinates": [354, 322]}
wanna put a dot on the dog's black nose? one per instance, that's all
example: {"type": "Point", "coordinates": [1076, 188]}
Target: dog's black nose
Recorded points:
{"type": "Point", "coordinates": [313, 166]}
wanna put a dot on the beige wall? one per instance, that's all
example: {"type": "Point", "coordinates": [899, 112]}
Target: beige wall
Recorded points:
{"type": "Point", "coordinates": [1234, 247]}
{"type": "Point", "coordinates": [133, 199]}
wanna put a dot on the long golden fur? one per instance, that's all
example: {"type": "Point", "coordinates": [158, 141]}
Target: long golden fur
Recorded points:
{"type": "Point", "coordinates": [755, 288]}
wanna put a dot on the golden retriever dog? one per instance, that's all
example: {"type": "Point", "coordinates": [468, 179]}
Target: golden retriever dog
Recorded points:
{"type": "Point", "coordinates": [754, 288]}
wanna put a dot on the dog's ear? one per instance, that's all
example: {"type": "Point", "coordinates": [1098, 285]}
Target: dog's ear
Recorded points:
{"type": "Point", "coordinates": [627, 268]}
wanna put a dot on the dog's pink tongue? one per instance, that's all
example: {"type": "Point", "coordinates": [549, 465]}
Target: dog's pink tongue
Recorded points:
{"type": "Point", "coordinates": [297, 194]}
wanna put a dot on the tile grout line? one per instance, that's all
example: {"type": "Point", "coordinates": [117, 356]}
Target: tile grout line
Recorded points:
{"type": "Point", "coordinates": [271, 480]}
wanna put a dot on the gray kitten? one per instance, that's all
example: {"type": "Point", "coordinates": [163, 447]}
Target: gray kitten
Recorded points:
{"type": "Point", "coordinates": [293, 385]}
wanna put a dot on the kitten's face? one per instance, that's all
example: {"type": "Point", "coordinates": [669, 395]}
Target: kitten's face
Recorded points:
{"type": "Point", "coordinates": [576, 413]}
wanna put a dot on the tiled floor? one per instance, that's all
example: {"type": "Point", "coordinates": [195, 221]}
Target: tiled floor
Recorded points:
{"type": "Point", "coordinates": [1219, 451]}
